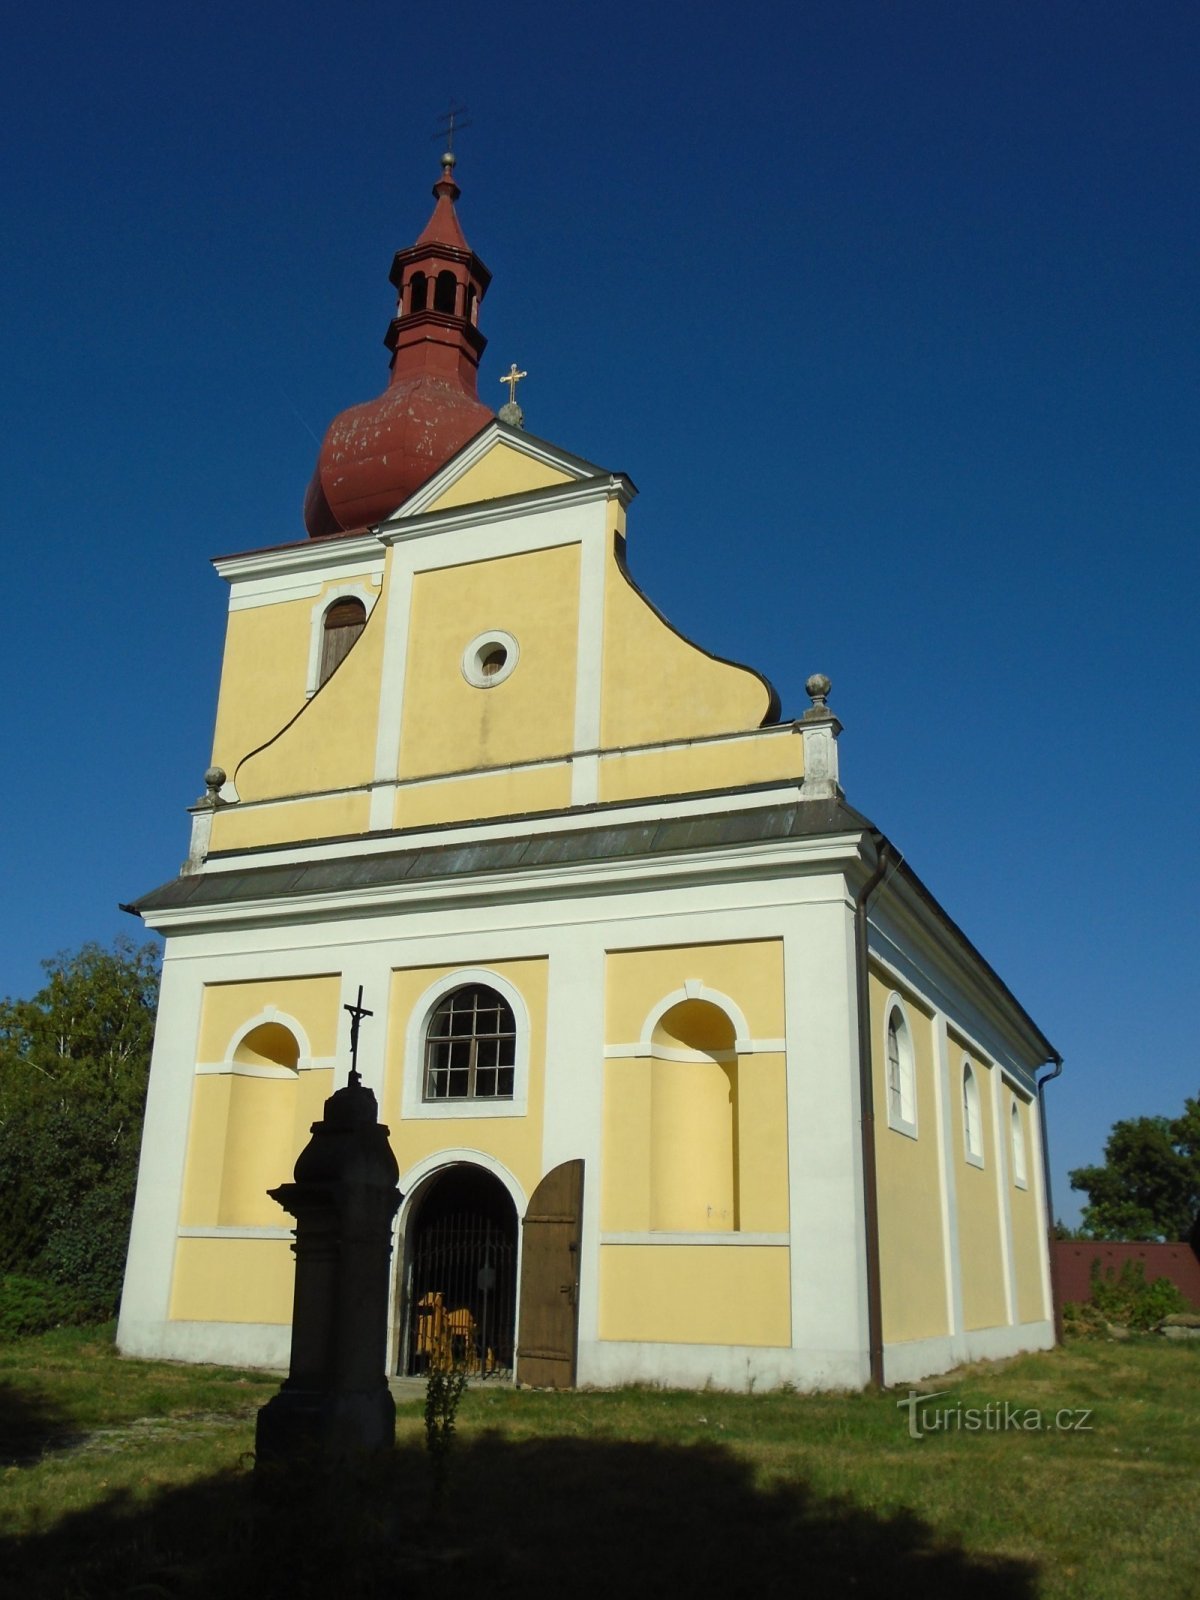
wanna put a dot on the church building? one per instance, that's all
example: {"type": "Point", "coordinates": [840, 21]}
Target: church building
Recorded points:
{"type": "Point", "coordinates": [689, 1077]}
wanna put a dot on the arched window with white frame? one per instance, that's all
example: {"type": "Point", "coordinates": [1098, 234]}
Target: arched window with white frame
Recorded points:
{"type": "Point", "coordinates": [466, 1051]}
{"type": "Point", "coordinates": [470, 1046]}
{"type": "Point", "coordinates": [972, 1116]}
{"type": "Point", "coordinates": [1020, 1169]}
{"type": "Point", "coordinates": [901, 1073]}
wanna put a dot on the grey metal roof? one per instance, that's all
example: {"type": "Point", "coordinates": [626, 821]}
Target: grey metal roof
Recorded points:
{"type": "Point", "coordinates": [464, 858]}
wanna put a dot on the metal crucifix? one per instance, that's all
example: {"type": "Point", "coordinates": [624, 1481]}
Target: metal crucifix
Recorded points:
{"type": "Point", "coordinates": [357, 1012]}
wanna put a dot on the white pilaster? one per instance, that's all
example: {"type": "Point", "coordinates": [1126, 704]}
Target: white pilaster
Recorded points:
{"type": "Point", "coordinates": [947, 1179]}
{"type": "Point", "coordinates": [146, 1300]}
{"type": "Point", "coordinates": [391, 690]}
{"type": "Point", "coordinates": [1003, 1194]}
{"type": "Point", "coordinates": [826, 1208]}
{"type": "Point", "coordinates": [1037, 1180]}
{"type": "Point", "coordinates": [585, 770]}
{"type": "Point", "coordinates": [573, 1104]}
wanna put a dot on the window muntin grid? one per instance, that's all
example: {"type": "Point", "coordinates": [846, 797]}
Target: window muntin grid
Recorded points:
{"type": "Point", "coordinates": [470, 1047]}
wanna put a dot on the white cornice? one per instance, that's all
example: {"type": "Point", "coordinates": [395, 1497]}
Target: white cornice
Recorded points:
{"type": "Point", "coordinates": [314, 556]}
{"type": "Point", "coordinates": [476, 513]}
{"type": "Point", "coordinates": [915, 943]}
{"type": "Point", "coordinates": [774, 859]}
{"type": "Point", "coordinates": [607, 816]}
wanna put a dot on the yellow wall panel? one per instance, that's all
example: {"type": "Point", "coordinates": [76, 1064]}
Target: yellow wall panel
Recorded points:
{"type": "Point", "coordinates": [514, 1141]}
{"type": "Point", "coordinates": [693, 1146]}
{"type": "Point", "coordinates": [314, 1002]}
{"type": "Point", "coordinates": [658, 686]}
{"type": "Point", "coordinates": [768, 756]}
{"type": "Point", "coordinates": [331, 743]}
{"type": "Point", "coordinates": [978, 1214]}
{"type": "Point", "coordinates": [762, 1135]}
{"type": "Point", "coordinates": [233, 1280]}
{"type": "Point", "coordinates": [1029, 1244]}
{"type": "Point", "coordinates": [695, 1294]}
{"type": "Point", "coordinates": [912, 1257]}
{"type": "Point", "coordinates": [449, 724]}
{"type": "Point", "coordinates": [264, 676]}
{"type": "Point", "coordinates": [287, 822]}
{"type": "Point", "coordinates": [201, 1201]}
{"type": "Point", "coordinates": [625, 1156]}
{"type": "Point", "coordinates": [750, 973]}
{"type": "Point", "coordinates": [502, 471]}
{"type": "Point", "coordinates": [493, 794]}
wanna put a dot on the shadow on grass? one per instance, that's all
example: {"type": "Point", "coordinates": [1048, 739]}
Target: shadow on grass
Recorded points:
{"type": "Point", "coordinates": [29, 1426]}
{"type": "Point", "coordinates": [577, 1517]}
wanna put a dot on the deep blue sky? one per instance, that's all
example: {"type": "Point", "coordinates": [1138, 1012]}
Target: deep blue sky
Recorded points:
{"type": "Point", "coordinates": [889, 310]}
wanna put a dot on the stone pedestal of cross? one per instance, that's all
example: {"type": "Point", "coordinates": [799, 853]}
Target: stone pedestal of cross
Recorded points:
{"type": "Point", "coordinates": [335, 1403]}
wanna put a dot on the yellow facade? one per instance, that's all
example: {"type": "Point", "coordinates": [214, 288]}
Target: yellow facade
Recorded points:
{"type": "Point", "coordinates": [1028, 1242]}
{"type": "Point", "coordinates": [503, 470]}
{"type": "Point", "coordinates": [449, 724]}
{"type": "Point", "coordinates": [912, 1256]}
{"type": "Point", "coordinates": [749, 972]}
{"type": "Point", "coordinates": [771, 755]}
{"type": "Point", "coordinates": [514, 1141]}
{"type": "Point", "coordinates": [696, 1294]}
{"type": "Point", "coordinates": [510, 792]}
{"type": "Point", "coordinates": [313, 1002]}
{"type": "Point", "coordinates": [330, 741]}
{"type": "Point", "coordinates": [979, 1234]}
{"type": "Point", "coordinates": [289, 821]}
{"type": "Point", "coordinates": [695, 1133]}
{"type": "Point", "coordinates": [233, 1280]}
{"type": "Point", "coordinates": [658, 686]}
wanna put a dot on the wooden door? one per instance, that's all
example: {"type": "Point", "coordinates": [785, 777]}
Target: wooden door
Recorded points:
{"type": "Point", "coordinates": [549, 1319]}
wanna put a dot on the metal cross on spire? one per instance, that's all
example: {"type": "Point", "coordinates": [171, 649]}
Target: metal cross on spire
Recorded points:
{"type": "Point", "coordinates": [454, 118]}
{"type": "Point", "coordinates": [357, 1013]}
{"type": "Point", "coordinates": [512, 378]}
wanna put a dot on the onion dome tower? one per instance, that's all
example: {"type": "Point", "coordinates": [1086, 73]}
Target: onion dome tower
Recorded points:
{"type": "Point", "coordinates": [376, 454]}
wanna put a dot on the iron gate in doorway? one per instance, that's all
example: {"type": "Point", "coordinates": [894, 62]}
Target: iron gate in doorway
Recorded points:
{"type": "Point", "coordinates": [462, 1295]}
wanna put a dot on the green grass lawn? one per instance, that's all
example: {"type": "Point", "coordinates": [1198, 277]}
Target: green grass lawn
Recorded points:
{"type": "Point", "coordinates": [135, 1479]}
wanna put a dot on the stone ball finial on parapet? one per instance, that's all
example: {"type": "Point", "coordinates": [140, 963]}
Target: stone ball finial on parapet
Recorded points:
{"type": "Point", "coordinates": [819, 729]}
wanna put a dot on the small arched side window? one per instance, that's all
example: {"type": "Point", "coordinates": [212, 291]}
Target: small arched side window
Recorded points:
{"type": "Point", "coordinates": [972, 1117]}
{"type": "Point", "coordinates": [418, 292]}
{"type": "Point", "coordinates": [444, 293]}
{"type": "Point", "coordinates": [344, 621]}
{"type": "Point", "coordinates": [471, 310]}
{"type": "Point", "coordinates": [1020, 1174]}
{"type": "Point", "coordinates": [901, 1076]}
{"type": "Point", "coordinates": [470, 1046]}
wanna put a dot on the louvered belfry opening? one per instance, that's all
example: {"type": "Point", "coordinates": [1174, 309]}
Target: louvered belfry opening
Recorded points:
{"type": "Point", "coordinates": [344, 621]}
{"type": "Point", "coordinates": [461, 1281]}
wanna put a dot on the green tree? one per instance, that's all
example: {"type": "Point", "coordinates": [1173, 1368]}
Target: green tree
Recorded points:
{"type": "Point", "coordinates": [74, 1061]}
{"type": "Point", "coordinates": [1149, 1185]}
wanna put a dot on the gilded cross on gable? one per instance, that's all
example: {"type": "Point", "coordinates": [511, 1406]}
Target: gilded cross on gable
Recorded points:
{"type": "Point", "coordinates": [357, 1013]}
{"type": "Point", "coordinates": [512, 378]}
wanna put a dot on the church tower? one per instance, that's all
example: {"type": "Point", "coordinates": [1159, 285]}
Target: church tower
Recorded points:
{"type": "Point", "coordinates": [375, 454]}
{"type": "Point", "coordinates": [689, 1078]}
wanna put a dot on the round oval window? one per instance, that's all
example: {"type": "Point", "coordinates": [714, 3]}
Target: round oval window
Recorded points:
{"type": "Point", "coordinates": [489, 659]}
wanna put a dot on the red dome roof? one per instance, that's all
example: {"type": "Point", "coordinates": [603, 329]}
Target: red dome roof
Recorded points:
{"type": "Point", "coordinates": [378, 453]}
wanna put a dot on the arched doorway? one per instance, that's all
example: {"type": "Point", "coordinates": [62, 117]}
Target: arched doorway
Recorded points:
{"type": "Point", "coordinates": [460, 1280]}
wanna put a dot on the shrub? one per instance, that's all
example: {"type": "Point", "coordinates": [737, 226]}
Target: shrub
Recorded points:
{"type": "Point", "coordinates": [28, 1305]}
{"type": "Point", "coordinates": [1129, 1300]}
